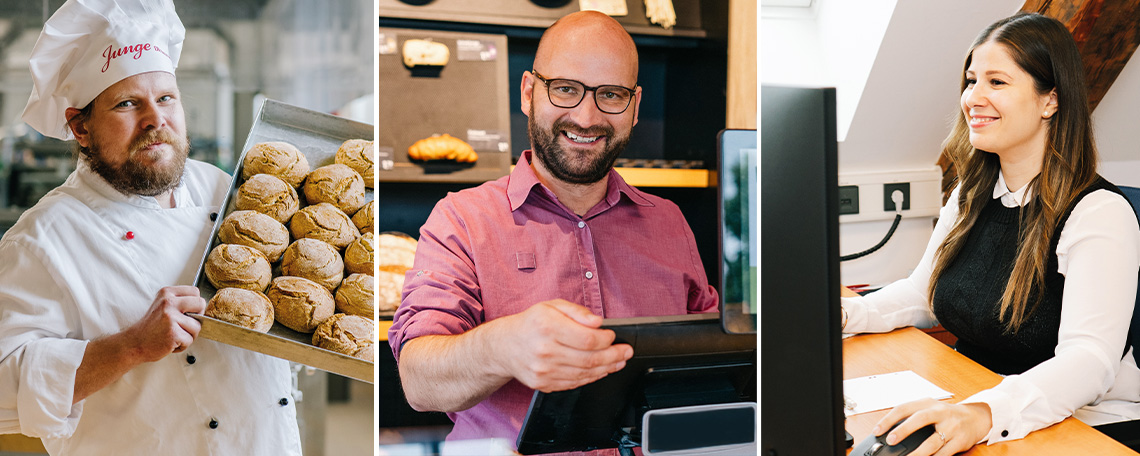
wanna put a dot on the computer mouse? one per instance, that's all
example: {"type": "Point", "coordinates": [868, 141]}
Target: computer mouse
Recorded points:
{"type": "Point", "coordinates": [877, 445]}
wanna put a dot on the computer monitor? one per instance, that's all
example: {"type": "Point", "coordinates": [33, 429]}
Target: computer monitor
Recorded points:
{"type": "Point", "coordinates": [802, 365]}
{"type": "Point", "coordinates": [678, 361]}
{"type": "Point", "coordinates": [739, 213]}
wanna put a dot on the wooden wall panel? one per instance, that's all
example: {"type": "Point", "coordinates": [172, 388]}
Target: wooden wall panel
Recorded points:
{"type": "Point", "coordinates": [741, 109]}
{"type": "Point", "coordinates": [1107, 34]}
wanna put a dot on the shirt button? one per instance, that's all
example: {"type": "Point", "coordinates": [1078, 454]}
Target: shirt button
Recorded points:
{"type": "Point", "coordinates": [284, 401]}
{"type": "Point", "coordinates": [213, 216]}
{"type": "Point", "coordinates": [589, 275]}
{"type": "Point", "coordinates": [1005, 433]}
{"type": "Point", "coordinates": [581, 224]}
{"type": "Point", "coordinates": [190, 359]}
{"type": "Point", "coordinates": [213, 424]}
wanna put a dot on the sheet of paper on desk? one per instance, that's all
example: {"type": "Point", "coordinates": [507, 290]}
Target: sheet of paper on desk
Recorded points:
{"type": "Point", "coordinates": [878, 392]}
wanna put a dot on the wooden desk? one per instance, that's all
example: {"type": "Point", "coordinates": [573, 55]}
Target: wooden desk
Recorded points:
{"type": "Point", "coordinates": [911, 349]}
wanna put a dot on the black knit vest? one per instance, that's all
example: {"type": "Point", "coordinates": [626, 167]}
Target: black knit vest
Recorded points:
{"type": "Point", "coordinates": [968, 297]}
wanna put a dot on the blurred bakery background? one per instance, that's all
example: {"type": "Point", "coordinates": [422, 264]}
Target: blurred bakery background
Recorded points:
{"type": "Point", "coordinates": [310, 53]}
{"type": "Point", "coordinates": [698, 73]}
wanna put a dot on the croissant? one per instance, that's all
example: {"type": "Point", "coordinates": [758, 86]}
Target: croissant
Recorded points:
{"type": "Point", "coordinates": [445, 147]}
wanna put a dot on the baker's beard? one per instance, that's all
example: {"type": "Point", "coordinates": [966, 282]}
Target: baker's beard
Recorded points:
{"type": "Point", "coordinates": [134, 178]}
{"type": "Point", "coordinates": [561, 163]}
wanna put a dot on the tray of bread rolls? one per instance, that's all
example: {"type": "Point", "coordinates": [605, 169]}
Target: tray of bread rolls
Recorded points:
{"type": "Point", "coordinates": [289, 268]}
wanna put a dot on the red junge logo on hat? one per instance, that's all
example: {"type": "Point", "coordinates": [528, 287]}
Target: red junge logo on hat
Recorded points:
{"type": "Point", "coordinates": [136, 49]}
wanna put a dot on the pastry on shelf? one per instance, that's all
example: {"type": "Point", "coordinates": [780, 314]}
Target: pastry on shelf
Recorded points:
{"type": "Point", "coordinates": [442, 147]}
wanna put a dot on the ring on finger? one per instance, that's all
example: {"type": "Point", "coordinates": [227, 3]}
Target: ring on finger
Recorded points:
{"type": "Point", "coordinates": [941, 436]}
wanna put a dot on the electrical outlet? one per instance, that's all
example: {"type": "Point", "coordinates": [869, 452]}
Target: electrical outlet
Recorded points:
{"type": "Point", "coordinates": [888, 203]}
{"type": "Point", "coordinates": [848, 199]}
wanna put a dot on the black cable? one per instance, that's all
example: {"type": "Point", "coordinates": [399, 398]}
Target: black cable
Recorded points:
{"type": "Point", "coordinates": [895, 224]}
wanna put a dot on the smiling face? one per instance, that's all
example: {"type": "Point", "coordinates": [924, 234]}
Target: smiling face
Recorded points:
{"type": "Point", "coordinates": [134, 134]}
{"type": "Point", "coordinates": [1006, 114]}
{"type": "Point", "coordinates": [579, 145]}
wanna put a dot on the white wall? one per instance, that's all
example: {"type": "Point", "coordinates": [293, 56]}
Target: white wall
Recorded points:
{"type": "Point", "coordinates": [896, 66]}
{"type": "Point", "coordinates": [1117, 124]}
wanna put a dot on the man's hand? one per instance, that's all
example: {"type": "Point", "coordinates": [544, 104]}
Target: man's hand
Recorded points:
{"type": "Point", "coordinates": [165, 328]}
{"type": "Point", "coordinates": [162, 331]}
{"type": "Point", "coordinates": [555, 346]}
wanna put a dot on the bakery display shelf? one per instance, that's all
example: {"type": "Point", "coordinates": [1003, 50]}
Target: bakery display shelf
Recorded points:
{"type": "Point", "coordinates": [655, 177]}
{"type": "Point", "coordinates": [468, 98]}
{"type": "Point", "coordinates": [318, 136]}
{"type": "Point", "coordinates": [282, 342]}
{"type": "Point", "coordinates": [384, 327]}
{"type": "Point", "coordinates": [493, 167]}
{"type": "Point", "coordinates": [540, 14]}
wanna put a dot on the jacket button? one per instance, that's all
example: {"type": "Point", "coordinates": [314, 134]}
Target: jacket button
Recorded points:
{"type": "Point", "coordinates": [213, 216]}
{"type": "Point", "coordinates": [213, 424]}
{"type": "Point", "coordinates": [284, 401]}
{"type": "Point", "coordinates": [190, 359]}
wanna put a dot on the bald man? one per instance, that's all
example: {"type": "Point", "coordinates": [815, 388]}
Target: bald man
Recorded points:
{"type": "Point", "coordinates": [513, 278]}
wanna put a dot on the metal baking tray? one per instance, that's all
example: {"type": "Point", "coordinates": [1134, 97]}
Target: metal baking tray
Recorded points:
{"type": "Point", "coordinates": [317, 135]}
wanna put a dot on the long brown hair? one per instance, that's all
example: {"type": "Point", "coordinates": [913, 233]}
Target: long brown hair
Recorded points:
{"type": "Point", "coordinates": [1043, 48]}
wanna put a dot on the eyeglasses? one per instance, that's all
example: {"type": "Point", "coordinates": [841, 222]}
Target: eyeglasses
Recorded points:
{"type": "Point", "coordinates": [568, 93]}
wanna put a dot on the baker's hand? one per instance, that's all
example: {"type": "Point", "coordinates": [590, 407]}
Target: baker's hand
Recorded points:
{"type": "Point", "coordinates": [957, 426]}
{"type": "Point", "coordinates": [556, 346]}
{"type": "Point", "coordinates": [165, 328]}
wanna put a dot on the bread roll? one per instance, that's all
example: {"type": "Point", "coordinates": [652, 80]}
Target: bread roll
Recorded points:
{"type": "Point", "coordinates": [314, 260]}
{"type": "Point", "coordinates": [390, 291]}
{"type": "Point", "coordinates": [356, 296]}
{"type": "Point", "coordinates": [367, 353]}
{"type": "Point", "coordinates": [280, 159]}
{"type": "Point", "coordinates": [363, 219]}
{"type": "Point", "coordinates": [299, 303]}
{"type": "Point", "coordinates": [257, 230]}
{"type": "Point", "coordinates": [239, 266]}
{"type": "Point", "coordinates": [268, 195]}
{"type": "Point", "coordinates": [245, 308]}
{"type": "Point", "coordinates": [324, 222]}
{"type": "Point", "coordinates": [335, 184]}
{"type": "Point", "coordinates": [445, 147]}
{"type": "Point", "coordinates": [397, 252]}
{"type": "Point", "coordinates": [425, 52]}
{"type": "Point", "coordinates": [358, 255]}
{"type": "Point", "coordinates": [359, 155]}
{"type": "Point", "coordinates": [347, 334]}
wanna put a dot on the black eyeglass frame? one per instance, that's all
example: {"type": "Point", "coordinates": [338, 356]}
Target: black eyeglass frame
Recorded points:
{"type": "Point", "coordinates": [585, 88]}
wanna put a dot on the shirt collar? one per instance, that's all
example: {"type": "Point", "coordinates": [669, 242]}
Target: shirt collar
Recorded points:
{"type": "Point", "coordinates": [1015, 198]}
{"type": "Point", "coordinates": [104, 188]}
{"type": "Point", "coordinates": [523, 182]}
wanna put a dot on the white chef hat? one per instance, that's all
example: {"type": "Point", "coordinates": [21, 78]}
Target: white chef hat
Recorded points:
{"type": "Point", "coordinates": [88, 46]}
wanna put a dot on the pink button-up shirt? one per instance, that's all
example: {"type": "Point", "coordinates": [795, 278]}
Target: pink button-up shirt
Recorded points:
{"type": "Point", "coordinates": [497, 249]}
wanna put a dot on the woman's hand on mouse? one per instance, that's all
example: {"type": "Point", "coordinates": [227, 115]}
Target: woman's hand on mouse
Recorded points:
{"type": "Point", "coordinates": [957, 426]}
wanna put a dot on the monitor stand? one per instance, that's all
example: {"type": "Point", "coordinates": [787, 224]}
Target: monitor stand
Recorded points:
{"type": "Point", "coordinates": [626, 444]}
{"type": "Point", "coordinates": [674, 387]}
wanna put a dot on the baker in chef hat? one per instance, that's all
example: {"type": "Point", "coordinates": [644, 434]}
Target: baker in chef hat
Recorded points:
{"type": "Point", "coordinates": [88, 46]}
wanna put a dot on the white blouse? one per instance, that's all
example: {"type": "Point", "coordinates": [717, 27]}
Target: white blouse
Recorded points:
{"type": "Point", "coordinates": [1099, 254]}
{"type": "Point", "coordinates": [69, 274]}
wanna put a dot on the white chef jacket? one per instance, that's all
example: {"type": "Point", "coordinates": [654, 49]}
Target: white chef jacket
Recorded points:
{"type": "Point", "coordinates": [1098, 252]}
{"type": "Point", "coordinates": [69, 274]}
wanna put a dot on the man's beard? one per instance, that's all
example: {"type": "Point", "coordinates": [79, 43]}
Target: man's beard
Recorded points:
{"type": "Point", "coordinates": [134, 178]}
{"type": "Point", "coordinates": [559, 162]}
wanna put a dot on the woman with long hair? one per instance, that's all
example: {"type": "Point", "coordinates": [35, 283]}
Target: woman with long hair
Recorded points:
{"type": "Point", "coordinates": [1033, 263]}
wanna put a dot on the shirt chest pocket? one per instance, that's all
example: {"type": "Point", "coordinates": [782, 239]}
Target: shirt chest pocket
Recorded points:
{"type": "Point", "coordinates": [524, 277]}
{"type": "Point", "coordinates": [525, 261]}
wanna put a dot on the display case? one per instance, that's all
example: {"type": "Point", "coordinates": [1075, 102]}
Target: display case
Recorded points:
{"type": "Point", "coordinates": [465, 98]}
